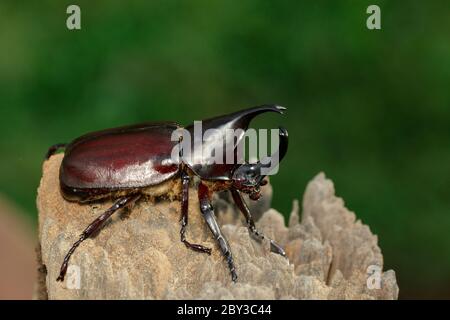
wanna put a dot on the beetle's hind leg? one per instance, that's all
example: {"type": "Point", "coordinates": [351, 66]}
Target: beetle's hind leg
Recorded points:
{"type": "Point", "coordinates": [208, 214]}
{"type": "Point", "coordinates": [237, 197]}
{"type": "Point", "coordinates": [52, 150]}
{"type": "Point", "coordinates": [94, 227]}
{"type": "Point", "coordinates": [184, 216]}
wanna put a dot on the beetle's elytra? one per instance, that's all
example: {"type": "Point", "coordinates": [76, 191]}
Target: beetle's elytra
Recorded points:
{"type": "Point", "coordinates": [131, 162]}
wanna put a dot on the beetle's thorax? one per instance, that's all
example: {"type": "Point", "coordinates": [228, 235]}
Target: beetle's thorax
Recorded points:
{"type": "Point", "coordinates": [217, 186]}
{"type": "Point", "coordinates": [223, 135]}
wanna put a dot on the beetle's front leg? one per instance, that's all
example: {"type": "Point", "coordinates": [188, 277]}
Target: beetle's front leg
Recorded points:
{"type": "Point", "coordinates": [184, 215]}
{"type": "Point", "coordinates": [237, 197]}
{"type": "Point", "coordinates": [208, 214]}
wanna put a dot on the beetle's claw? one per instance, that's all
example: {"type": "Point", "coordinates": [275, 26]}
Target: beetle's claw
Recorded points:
{"type": "Point", "coordinates": [234, 276]}
{"type": "Point", "coordinates": [276, 248]}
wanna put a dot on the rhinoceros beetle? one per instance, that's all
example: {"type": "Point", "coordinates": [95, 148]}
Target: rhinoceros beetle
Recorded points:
{"type": "Point", "coordinates": [132, 162]}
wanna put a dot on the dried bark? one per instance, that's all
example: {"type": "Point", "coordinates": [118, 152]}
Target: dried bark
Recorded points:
{"type": "Point", "coordinates": [140, 256]}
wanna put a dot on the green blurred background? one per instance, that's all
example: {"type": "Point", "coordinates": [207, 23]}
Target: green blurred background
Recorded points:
{"type": "Point", "coordinates": [369, 108]}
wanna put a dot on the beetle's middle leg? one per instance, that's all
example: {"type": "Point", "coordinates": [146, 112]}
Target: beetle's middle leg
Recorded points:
{"type": "Point", "coordinates": [184, 215]}
{"type": "Point", "coordinates": [237, 197]}
{"type": "Point", "coordinates": [94, 227]}
{"type": "Point", "coordinates": [208, 214]}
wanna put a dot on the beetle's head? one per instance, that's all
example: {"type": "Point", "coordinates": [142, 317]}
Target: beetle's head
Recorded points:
{"type": "Point", "coordinates": [249, 177]}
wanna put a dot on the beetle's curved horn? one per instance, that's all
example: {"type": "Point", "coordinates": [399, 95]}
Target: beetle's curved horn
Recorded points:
{"type": "Point", "coordinates": [241, 119]}
{"type": "Point", "coordinates": [237, 120]}
{"type": "Point", "coordinates": [284, 142]}
{"type": "Point", "coordinates": [262, 168]}
{"type": "Point", "coordinates": [275, 158]}
{"type": "Point", "coordinates": [220, 128]}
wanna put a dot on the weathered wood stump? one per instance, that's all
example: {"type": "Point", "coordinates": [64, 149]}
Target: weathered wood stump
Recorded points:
{"type": "Point", "coordinates": [139, 255]}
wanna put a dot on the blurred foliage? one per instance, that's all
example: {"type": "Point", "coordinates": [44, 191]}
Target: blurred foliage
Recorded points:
{"type": "Point", "coordinates": [369, 108]}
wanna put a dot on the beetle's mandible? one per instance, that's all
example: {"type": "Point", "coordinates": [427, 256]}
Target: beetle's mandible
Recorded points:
{"type": "Point", "coordinates": [132, 162]}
